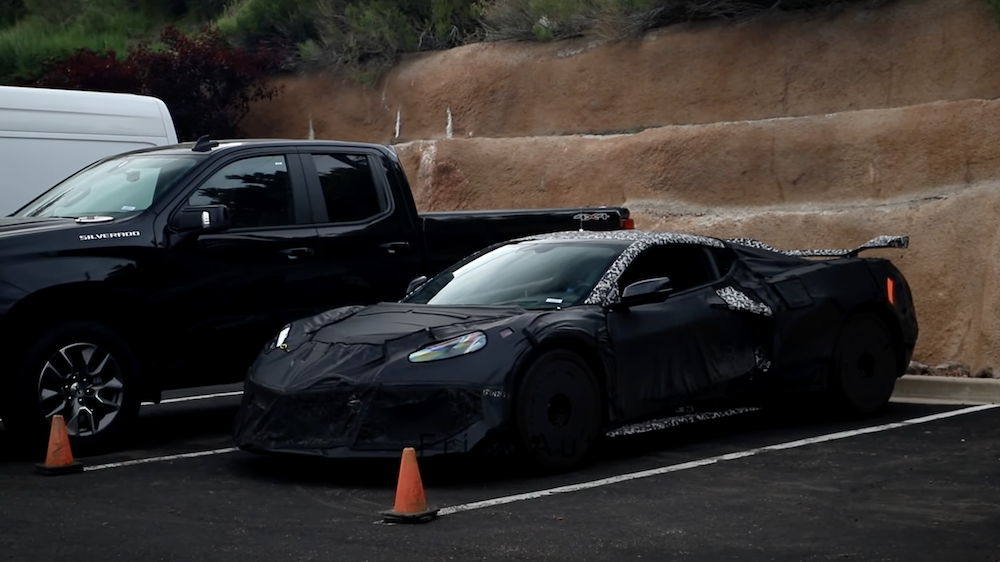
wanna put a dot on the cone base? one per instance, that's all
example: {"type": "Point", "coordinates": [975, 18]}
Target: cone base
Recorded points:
{"type": "Point", "coordinates": [71, 468]}
{"type": "Point", "coordinates": [392, 516]}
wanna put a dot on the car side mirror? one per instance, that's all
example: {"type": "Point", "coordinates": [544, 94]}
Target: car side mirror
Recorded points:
{"type": "Point", "coordinates": [648, 291]}
{"type": "Point", "coordinates": [415, 284]}
{"type": "Point", "coordinates": [201, 219]}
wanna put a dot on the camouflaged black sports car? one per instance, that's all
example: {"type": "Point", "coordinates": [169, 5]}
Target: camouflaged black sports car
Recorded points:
{"type": "Point", "coordinates": [543, 344]}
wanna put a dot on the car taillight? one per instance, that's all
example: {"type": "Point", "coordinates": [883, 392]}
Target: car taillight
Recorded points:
{"type": "Point", "coordinates": [890, 290]}
{"type": "Point", "coordinates": [628, 224]}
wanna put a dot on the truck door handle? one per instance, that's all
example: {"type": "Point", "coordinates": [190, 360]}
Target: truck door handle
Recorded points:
{"type": "Point", "coordinates": [394, 247]}
{"type": "Point", "coordinates": [296, 253]}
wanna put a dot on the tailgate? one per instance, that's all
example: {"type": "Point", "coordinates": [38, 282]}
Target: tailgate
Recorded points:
{"type": "Point", "coordinates": [451, 236]}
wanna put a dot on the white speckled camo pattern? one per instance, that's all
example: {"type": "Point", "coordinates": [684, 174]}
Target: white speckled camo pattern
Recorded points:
{"type": "Point", "coordinates": [877, 242]}
{"type": "Point", "coordinates": [650, 237]}
{"type": "Point", "coordinates": [762, 360]}
{"type": "Point", "coordinates": [674, 421]}
{"type": "Point", "coordinates": [738, 300]}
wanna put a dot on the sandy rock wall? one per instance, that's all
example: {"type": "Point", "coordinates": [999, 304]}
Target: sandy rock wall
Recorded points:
{"type": "Point", "coordinates": [951, 263]}
{"type": "Point", "coordinates": [928, 171]}
{"type": "Point", "coordinates": [840, 158]}
{"type": "Point", "coordinates": [906, 53]}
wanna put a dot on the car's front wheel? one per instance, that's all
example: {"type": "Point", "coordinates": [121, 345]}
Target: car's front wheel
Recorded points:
{"type": "Point", "coordinates": [865, 365]}
{"type": "Point", "coordinates": [558, 411]}
{"type": "Point", "coordinates": [83, 371]}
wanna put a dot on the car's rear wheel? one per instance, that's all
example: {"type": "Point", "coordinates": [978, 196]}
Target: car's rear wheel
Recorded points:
{"type": "Point", "coordinates": [558, 411]}
{"type": "Point", "coordinates": [865, 365]}
{"type": "Point", "coordinates": [83, 371]}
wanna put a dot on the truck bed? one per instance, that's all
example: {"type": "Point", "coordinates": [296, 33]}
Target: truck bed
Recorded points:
{"type": "Point", "coordinates": [451, 236]}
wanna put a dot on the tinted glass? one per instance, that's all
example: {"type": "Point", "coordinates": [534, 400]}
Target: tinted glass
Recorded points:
{"type": "Point", "coordinates": [117, 188]}
{"type": "Point", "coordinates": [348, 187]}
{"type": "Point", "coordinates": [687, 266]}
{"type": "Point", "coordinates": [256, 190]}
{"type": "Point", "coordinates": [533, 275]}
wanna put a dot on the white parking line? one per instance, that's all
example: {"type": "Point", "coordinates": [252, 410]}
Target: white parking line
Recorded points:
{"type": "Point", "coordinates": [707, 461]}
{"type": "Point", "coordinates": [197, 397]}
{"type": "Point", "coordinates": [160, 459]}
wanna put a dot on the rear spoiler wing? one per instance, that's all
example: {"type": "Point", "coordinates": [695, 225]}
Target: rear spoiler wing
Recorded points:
{"type": "Point", "coordinates": [878, 242]}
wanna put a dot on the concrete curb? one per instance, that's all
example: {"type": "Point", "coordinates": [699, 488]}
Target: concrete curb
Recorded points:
{"type": "Point", "coordinates": [929, 389]}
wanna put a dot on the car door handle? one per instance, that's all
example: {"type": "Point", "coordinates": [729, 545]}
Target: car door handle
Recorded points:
{"type": "Point", "coordinates": [296, 253]}
{"type": "Point", "coordinates": [394, 247]}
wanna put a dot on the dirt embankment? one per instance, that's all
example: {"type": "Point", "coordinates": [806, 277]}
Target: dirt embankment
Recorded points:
{"type": "Point", "coordinates": [931, 172]}
{"type": "Point", "coordinates": [846, 158]}
{"type": "Point", "coordinates": [908, 52]}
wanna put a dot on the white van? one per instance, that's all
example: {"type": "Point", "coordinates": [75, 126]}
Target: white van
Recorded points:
{"type": "Point", "coordinates": [47, 135]}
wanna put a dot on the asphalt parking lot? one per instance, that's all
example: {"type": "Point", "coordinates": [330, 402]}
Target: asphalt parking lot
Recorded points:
{"type": "Point", "coordinates": [927, 489]}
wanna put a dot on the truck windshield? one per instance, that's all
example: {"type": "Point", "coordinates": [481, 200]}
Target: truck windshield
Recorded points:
{"type": "Point", "coordinates": [535, 275]}
{"type": "Point", "coordinates": [119, 187]}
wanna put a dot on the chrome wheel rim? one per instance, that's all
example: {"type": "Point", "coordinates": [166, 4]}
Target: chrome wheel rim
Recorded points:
{"type": "Point", "coordinates": [83, 383]}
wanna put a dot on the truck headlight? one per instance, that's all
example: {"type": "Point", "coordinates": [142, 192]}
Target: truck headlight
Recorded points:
{"type": "Point", "coordinates": [462, 345]}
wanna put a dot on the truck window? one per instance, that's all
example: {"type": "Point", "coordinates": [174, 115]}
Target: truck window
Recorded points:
{"type": "Point", "coordinates": [118, 187]}
{"type": "Point", "coordinates": [348, 187]}
{"type": "Point", "coordinates": [256, 190]}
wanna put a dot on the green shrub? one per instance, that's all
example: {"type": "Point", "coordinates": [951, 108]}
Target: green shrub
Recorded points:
{"type": "Point", "coordinates": [995, 6]}
{"type": "Point", "coordinates": [56, 12]}
{"type": "Point", "coordinates": [367, 36]}
{"type": "Point", "coordinates": [47, 32]}
{"type": "Point", "coordinates": [11, 11]}
{"type": "Point", "coordinates": [285, 22]}
{"type": "Point", "coordinates": [545, 20]}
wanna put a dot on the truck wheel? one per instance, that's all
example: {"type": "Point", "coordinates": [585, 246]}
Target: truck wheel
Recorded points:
{"type": "Point", "coordinates": [557, 411]}
{"type": "Point", "coordinates": [87, 373]}
{"type": "Point", "coordinates": [865, 366]}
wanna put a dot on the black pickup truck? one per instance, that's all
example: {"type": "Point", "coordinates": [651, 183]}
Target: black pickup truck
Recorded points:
{"type": "Point", "coordinates": [171, 267]}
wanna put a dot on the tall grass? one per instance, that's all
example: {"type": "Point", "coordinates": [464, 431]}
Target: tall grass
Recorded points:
{"type": "Point", "coordinates": [100, 26]}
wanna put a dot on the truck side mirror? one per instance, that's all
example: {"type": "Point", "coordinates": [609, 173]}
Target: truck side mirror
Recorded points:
{"type": "Point", "coordinates": [202, 219]}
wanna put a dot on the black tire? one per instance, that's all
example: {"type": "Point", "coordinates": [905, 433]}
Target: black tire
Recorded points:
{"type": "Point", "coordinates": [558, 411]}
{"type": "Point", "coordinates": [102, 384]}
{"type": "Point", "coordinates": [865, 366]}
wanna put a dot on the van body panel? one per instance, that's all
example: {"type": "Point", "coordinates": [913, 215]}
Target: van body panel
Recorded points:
{"type": "Point", "coordinates": [47, 135]}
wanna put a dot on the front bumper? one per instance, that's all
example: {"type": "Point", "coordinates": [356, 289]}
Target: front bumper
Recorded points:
{"type": "Point", "coordinates": [354, 420]}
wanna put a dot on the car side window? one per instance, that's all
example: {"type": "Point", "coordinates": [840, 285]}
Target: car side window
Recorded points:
{"type": "Point", "coordinates": [257, 191]}
{"type": "Point", "coordinates": [687, 266]}
{"type": "Point", "coordinates": [348, 186]}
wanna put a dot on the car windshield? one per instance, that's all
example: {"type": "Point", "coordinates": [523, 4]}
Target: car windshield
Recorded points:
{"type": "Point", "coordinates": [119, 187]}
{"type": "Point", "coordinates": [535, 275]}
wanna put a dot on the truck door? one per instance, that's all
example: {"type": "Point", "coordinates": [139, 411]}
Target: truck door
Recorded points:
{"type": "Point", "coordinates": [229, 292]}
{"type": "Point", "coordinates": [369, 246]}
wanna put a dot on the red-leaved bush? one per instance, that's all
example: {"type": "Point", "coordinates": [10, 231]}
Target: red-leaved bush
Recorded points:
{"type": "Point", "coordinates": [207, 84]}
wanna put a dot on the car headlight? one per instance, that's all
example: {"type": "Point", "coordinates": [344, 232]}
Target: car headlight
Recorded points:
{"type": "Point", "coordinates": [455, 347]}
{"type": "Point", "coordinates": [279, 342]}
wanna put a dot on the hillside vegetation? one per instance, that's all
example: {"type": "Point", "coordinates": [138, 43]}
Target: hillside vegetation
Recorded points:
{"type": "Point", "coordinates": [362, 36]}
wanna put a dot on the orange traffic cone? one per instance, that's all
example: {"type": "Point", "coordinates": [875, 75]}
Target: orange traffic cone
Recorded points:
{"type": "Point", "coordinates": [59, 458]}
{"type": "Point", "coordinates": [411, 504]}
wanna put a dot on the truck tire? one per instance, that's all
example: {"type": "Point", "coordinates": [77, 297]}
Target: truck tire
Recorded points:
{"type": "Point", "coordinates": [865, 366]}
{"type": "Point", "coordinates": [557, 411]}
{"type": "Point", "coordinates": [84, 371]}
